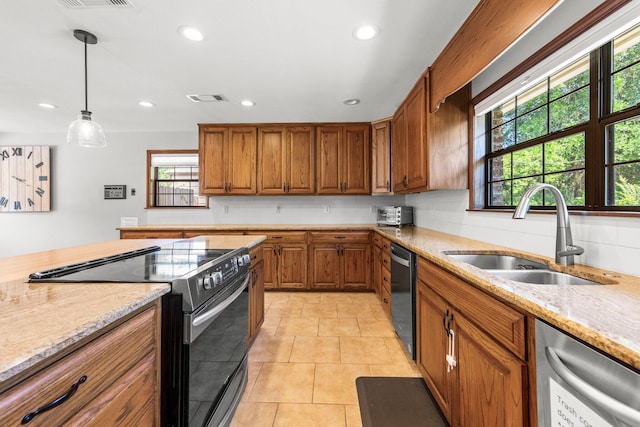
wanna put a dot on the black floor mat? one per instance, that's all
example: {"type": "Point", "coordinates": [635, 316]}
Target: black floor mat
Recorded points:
{"type": "Point", "coordinates": [397, 402]}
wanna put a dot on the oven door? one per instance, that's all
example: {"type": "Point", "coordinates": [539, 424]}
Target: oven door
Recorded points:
{"type": "Point", "coordinates": [214, 353]}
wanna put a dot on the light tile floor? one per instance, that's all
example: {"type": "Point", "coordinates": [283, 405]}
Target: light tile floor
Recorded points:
{"type": "Point", "coordinates": [308, 354]}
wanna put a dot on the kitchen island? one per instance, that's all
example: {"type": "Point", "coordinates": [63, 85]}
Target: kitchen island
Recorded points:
{"type": "Point", "coordinates": [45, 326]}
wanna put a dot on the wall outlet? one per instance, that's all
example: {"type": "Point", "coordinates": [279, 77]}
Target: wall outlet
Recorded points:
{"type": "Point", "coordinates": [277, 209]}
{"type": "Point", "coordinates": [325, 209]}
{"type": "Point", "coordinates": [226, 210]}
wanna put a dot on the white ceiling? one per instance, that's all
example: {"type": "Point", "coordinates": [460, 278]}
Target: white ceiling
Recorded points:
{"type": "Point", "coordinates": [296, 59]}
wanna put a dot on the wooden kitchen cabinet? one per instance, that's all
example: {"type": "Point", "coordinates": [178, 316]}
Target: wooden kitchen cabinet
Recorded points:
{"type": "Point", "coordinates": [340, 260]}
{"type": "Point", "coordinates": [256, 292]}
{"type": "Point", "coordinates": [430, 151]}
{"type": "Point", "coordinates": [488, 384]}
{"type": "Point", "coordinates": [285, 260]}
{"type": "Point", "coordinates": [343, 159]}
{"type": "Point", "coordinates": [227, 159]}
{"type": "Point", "coordinates": [286, 160]}
{"type": "Point", "coordinates": [409, 142]}
{"type": "Point", "coordinates": [381, 157]}
{"type": "Point", "coordinates": [382, 271]}
{"type": "Point", "coordinates": [116, 376]}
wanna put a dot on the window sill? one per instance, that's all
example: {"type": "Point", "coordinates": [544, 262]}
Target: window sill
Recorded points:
{"type": "Point", "coordinates": [176, 207]}
{"type": "Point", "coordinates": [625, 214]}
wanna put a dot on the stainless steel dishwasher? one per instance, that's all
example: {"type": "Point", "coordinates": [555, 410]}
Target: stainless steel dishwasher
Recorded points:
{"type": "Point", "coordinates": [579, 386]}
{"type": "Point", "coordinates": [403, 296]}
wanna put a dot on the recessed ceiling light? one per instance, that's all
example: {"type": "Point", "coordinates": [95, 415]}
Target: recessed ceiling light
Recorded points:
{"type": "Point", "coordinates": [47, 106]}
{"type": "Point", "coordinates": [351, 101]}
{"type": "Point", "coordinates": [365, 32]}
{"type": "Point", "coordinates": [146, 104]}
{"type": "Point", "coordinates": [248, 103]}
{"type": "Point", "coordinates": [190, 33]}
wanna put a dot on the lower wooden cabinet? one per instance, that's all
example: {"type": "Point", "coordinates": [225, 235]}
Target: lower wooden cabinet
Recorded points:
{"type": "Point", "coordinates": [115, 377]}
{"type": "Point", "coordinates": [285, 260]}
{"type": "Point", "coordinates": [340, 260]}
{"type": "Point", "coordinates": [256, 292]}
{"type": "Point", "coordinates": [486, 383]}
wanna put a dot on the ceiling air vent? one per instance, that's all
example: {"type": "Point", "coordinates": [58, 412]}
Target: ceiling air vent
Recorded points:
{"type": "Point", "coordinates": [82, 4]}
{"type": "Point", "coordinates": [207, 98]}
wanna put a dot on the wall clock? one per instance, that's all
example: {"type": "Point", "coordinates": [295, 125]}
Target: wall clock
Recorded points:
{"type": "Point", "coordinates": [25, 179]}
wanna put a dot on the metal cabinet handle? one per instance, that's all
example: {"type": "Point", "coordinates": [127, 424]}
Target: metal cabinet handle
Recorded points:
{"type": "Point", "coordinates": [386, 301]}
{"type": "Point", "coordinates": [399, 260]}
{"type": "Point", "coordinates": [57, 402]}
{"type": "Point", "coordinates": [615, 407]}
{"type": "Point", "coordinates": [339, 237]}
{"type": "Point", "coordinates": [388, 185]}
{"type": "Point", "coordinates": [404, 180]}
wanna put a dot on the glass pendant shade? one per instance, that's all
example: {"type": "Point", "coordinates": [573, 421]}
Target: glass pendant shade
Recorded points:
{"type": "Point", "coordinates": [85, 132]}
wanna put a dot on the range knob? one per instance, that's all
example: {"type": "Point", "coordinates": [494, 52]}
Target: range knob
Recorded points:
{"type": "Point", "coordinates": [244, 260]}
{"type": "Point", "coordinates": [210, 282]}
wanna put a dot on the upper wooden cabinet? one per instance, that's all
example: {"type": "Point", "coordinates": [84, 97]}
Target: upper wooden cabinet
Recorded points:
{"type": "Point", "coordinates": [343, 158]}
{"type": "Point", "coordinates": [409, 145]}
{"type": "Point", "coordinates": [381, 157]}
{"type": "Point", "coordinates": [227, 160]}
{"type": "Point", "coordinates": [430, 151]}
{"type": "Point", "coordinates": [286, 160]}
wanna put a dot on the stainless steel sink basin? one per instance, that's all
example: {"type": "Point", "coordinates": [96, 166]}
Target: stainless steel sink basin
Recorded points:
{"type": "Point", "coordinates": [542, 277]}
{"type": "Point", "coordinates": [497, 261]}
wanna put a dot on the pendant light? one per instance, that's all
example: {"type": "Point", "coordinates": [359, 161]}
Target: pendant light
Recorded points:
{"type": "Point", "coordinates": [84, 131]}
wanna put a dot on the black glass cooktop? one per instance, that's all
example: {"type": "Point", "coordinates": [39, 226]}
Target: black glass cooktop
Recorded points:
{"type": "Point", "coordinates": [154, 264]}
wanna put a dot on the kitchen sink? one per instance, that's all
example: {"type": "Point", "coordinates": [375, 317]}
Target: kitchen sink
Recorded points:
{"type": "Point", "coordinates": [542, 277]}
{"type": "Point", "coordinates": [487, 261]}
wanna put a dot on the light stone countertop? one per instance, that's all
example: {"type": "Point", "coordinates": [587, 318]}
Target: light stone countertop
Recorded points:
{"type": "Point", "coordinates": [38, 320]}
{"type": "Point", "coordinates": [605, 316]}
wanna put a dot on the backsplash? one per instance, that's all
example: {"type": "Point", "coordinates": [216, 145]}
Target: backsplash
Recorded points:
{"type": "Point", "coordinates": [609, 242]}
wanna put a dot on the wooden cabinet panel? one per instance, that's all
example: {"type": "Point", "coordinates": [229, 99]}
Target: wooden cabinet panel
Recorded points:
{"type": "Point", "coordinates": [291, 265]}
{"type": "Point", "coordinates": [343, 158]}
{"type": "Point", "coordinates": [324, 266]}
{"type": "Point", "coordinates": [431, 348]}
{"type": "Point", "coordinates": [377, 270]}
{"type": "Point", "coordinates": [116, 365]}
{"type": "Point", "coordinates": [399, 151]}
{"type": "Point", "coordinates": [270, 266]}
{"type": "Point", "coordinates": [491, 381]}
{"type": "Point", "coordinates": [157, 234]}
{"type": "Point", "coordinates": [284, 236]}
{"type": "Point", "coordinates": [381, 157]}
{"type": "Point", "coordinates": [356, 258]}
{"type": "Point", "coordinates": [416, 139]}
{"type": "Point", "coordinates": [227, 160]}
{"type": "Point", "coordinates": [286, 160]}
{"type": "Point", "coordinates": [333, 237]}
{"type": "Point", "coordinates": [256, 295]}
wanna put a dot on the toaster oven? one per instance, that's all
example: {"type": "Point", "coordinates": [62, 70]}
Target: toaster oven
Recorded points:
{"type": "Point", "coordinates": [396, 216]}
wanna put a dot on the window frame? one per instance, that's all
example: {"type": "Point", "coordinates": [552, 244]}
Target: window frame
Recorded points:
{"type": "Point", "coordinates": [150, 194]}
{"type": "Point", "coordinates": [600, 117]}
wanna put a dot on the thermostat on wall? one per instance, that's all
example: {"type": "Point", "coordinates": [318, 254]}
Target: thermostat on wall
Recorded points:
{"type": "Point", "coordinates": [115, 192]}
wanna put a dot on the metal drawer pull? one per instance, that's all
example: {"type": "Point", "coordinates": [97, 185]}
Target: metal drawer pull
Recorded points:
{"type": "Point", "coordinates": [59, 401]}
{"type": "Point", "coordinates": [615, 407]}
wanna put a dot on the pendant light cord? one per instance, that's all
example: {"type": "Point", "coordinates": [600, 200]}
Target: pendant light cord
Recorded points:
{"type": "Point", "coordinates": [86, 78]}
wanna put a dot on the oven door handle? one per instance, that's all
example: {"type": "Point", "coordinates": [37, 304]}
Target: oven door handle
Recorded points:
{"type": "Point", "coordinates": [219, 308]}
{"type": "Point", "coordinates": [616, 408]}
{"type": "Point", "coordinates": [401, 261]}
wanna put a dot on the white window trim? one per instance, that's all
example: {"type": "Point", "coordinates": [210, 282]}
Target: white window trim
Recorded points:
{"type": "Point", "coordinates": [615, 24]}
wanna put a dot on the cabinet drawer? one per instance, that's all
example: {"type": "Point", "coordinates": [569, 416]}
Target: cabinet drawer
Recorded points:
{"type": "Point", "coordinates": [285, 236]}
{"type": "Point", "coordinates": [386, 281]}
{"type": "Point", "coordinates": [377, 239]}
{"type": "Point", "coordinates": [351, 236]}
{"type": "Point", "coordinates": [103, 361]}
{"type": "Point", "coordinates": [504, 324]}
{"type": "Point", "coordinates": [386, 260]}
{"type": "Point", "coordinates": [385, 299]}
{"type": "Point", "coordinates": [195, 233]}
{"type": "Point", "coordinates": [256, 255]}
{"type": "Point", "coordinates": [151, 234]}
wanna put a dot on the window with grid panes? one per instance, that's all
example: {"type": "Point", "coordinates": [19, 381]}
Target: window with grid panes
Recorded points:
{"type": "Point", "coordinates": [554, 132]}
{"type": "Point", "coordinates": [174, 179]}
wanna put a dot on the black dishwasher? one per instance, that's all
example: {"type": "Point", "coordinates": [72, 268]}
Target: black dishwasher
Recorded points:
{"type": "Point", "coordinates": [403, 296]}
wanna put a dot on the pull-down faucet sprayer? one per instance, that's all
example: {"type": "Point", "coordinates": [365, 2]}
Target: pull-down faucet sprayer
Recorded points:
{"type": "Point", "coordinates": [565, 249]}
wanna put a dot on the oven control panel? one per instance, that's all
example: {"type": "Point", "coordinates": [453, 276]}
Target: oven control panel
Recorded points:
{"type": "Point", "coordinates": [224, 271]}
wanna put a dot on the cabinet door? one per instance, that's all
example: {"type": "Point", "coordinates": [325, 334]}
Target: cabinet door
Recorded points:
{"type": "Point", "coordinates": [241, 160]}
{"type": "Point", "coordinates": [377, 270]}
{"type": "Point", "coordinates": [324, 266]}
{"type": "Point", "coordinates": [292, 271]}
{"type": "Point", "coordinates": [256, 300]}
{"type": "Point", "coordinates": [416, 142]}
{"type": "Point", "coordinates": [399, 151]}
{"type": "Point", "coordinates": [300, 165]}
{"type": "Point", "coordinates": [329, 142]}
{"type": "Point", "coordinates": [381, 158]}
{"type": "Point", "coordinates": [356, 265]}
{"type": "Point", "coordinates": [431, 345]}
{"type": "Point", "coordinates": [272, 160]}
{"type": "Point", "coordinates": [212, 160]}
{"type": "Point", "coordinates": [491, 380]}
{"type": "Point", "coordinates": [355, 160]}
{"type": "Point", "coordinates": [270, 266]}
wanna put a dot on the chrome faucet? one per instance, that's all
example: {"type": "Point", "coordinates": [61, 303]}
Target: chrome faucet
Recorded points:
{"type": "Point", "coordinates": [565, 249]}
